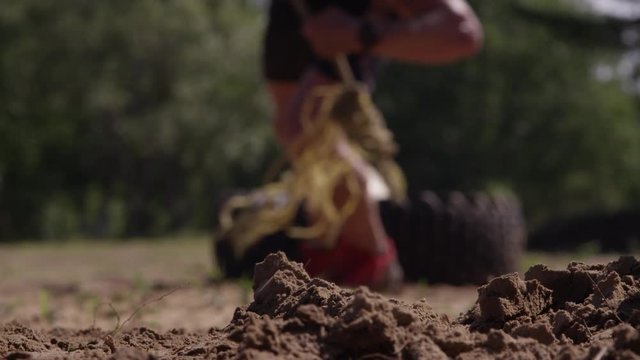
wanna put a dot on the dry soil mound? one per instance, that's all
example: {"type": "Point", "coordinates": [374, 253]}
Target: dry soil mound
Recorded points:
{"type": "Point", "coordinates": [584, 312]}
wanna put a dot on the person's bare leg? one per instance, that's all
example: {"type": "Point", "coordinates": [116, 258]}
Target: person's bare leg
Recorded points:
{"type": "Point", "coordinates": [364, 228]}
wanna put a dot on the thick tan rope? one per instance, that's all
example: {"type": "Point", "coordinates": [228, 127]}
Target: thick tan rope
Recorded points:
{"type": "Point", "coordinates": [345, 114]}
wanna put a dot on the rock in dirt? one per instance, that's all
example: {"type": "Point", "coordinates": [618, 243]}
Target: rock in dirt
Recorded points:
{"type": "Point", "coordinates": [508, 297]}
{"type": "Point", "coordinates": [583, 312]}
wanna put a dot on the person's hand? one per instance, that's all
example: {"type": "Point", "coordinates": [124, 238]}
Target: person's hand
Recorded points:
{"type": "Point", "coordinates": [332, 32]}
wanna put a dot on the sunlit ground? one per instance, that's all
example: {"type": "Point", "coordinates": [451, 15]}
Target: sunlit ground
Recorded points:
{"type": "Point", "coordinates": [164, 284]}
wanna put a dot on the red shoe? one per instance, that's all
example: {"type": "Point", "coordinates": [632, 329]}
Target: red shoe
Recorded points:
{"type": "Point", "coordinates": [349, 266]}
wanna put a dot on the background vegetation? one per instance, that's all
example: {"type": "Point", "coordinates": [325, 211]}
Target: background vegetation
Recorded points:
{"type": "Point", "coordinates": [131, 118]}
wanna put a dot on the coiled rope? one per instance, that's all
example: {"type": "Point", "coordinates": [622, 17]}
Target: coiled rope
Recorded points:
{"type": "Point", "coordinates": [346, 115]}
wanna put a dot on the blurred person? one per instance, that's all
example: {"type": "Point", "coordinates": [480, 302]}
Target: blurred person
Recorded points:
{"type": "Point", "coordinates": [298, 57]}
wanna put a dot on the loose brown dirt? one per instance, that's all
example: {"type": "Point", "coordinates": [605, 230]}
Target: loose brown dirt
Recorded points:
{"type": "Point", "coordinates": [583, 312]}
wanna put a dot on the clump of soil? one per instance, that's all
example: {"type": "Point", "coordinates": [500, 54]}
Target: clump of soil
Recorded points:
{"type": "Point", "coordinates": [582, 312]}
{"type": "Point", "coordinates": [575, 306]}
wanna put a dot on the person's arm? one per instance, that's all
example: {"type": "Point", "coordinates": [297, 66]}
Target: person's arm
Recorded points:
{"type": "Point", "coordinates": [442, 31]}
{"type": "Point", "coordinates": [448, 32]}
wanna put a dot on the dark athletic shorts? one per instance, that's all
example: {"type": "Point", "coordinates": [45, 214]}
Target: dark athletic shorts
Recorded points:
{"type": "Point", "coordinates": [287, 54]}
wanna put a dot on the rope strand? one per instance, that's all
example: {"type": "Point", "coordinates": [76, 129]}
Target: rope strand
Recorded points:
{"type": "Point", "coordinates": [346, 114]}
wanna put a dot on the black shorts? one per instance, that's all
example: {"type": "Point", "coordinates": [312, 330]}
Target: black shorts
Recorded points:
{"type": "Point", "coordinates": [287, 54]}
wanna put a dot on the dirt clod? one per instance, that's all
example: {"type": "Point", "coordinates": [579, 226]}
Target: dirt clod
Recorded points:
{"type": "Point", "coordinates": [508, 297]}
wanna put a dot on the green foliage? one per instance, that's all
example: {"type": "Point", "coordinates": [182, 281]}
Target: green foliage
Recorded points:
{"type": "Point", "coordinates": [573, 21]}
{"type": "Point", "coordinates": [126, 117]}
{"type": "Point", "coordinates": [526, 114]}
{"type": "Point", "coordinates": [129, 118]}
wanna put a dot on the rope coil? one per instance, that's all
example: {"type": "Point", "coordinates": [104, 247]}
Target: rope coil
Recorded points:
{"type": "Point", "coordinates": [331, 115]}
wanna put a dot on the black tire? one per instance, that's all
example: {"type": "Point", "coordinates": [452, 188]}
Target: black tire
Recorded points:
{"type": "Point", "coordinates": [465, 239]}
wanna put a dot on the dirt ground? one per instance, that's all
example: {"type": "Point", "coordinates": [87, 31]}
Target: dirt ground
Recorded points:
{"type": "Point", "coordinates": [130, 300]}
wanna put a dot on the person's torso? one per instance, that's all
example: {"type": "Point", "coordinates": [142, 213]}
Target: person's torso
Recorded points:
{"type": "Point", "coordinates": [283, 15]}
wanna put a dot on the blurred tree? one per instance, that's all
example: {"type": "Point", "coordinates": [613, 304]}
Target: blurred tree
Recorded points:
{"type": "Point", "coordinates": [129, 116]}
{"type": "Point", "coordinates": [125, 118]}
{"type": "Point", "coordinates": [527, 115]}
